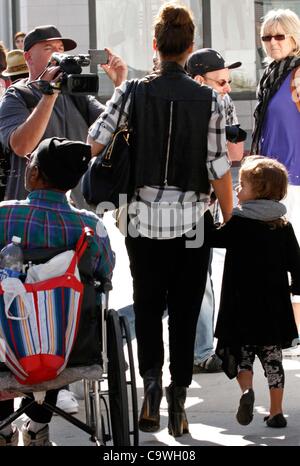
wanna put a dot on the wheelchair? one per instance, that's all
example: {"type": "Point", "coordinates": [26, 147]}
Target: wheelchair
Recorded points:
{"type": "Point", "coordinates": [107, 387]}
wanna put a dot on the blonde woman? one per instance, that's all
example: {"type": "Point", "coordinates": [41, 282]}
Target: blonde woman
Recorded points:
{"type": "Point", "coordinates": [277, 115]}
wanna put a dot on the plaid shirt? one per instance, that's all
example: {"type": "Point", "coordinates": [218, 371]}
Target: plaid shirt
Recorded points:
{"type": "Point", "coordinates": [230, 111]}
{"type": "Point", "coordinates": [192, 204]}
{"type": "Point", "coordinates": [46, 220]}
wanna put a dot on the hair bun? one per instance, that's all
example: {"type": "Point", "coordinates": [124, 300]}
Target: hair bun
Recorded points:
{"type": "Point", "coordinates": [176, 16]}
{"type": "Point", "coordinates": [174, 30]}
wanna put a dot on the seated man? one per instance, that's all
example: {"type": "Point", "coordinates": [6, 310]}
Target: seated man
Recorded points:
{"type": "Point", "coordinates": [46, 220]}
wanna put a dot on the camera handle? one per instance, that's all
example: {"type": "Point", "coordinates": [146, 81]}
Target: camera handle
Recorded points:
{"type": "Point", "coordinates": [44, 86]}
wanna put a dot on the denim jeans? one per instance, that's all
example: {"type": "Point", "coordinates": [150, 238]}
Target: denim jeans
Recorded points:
{"type": "Point", "coordinates": [204, 342]}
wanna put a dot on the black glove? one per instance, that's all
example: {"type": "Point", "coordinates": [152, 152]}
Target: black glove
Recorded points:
{"type": "Point", "coordinates": [235, 134]}
{"type": "Point", "coordinates": [44, 86]}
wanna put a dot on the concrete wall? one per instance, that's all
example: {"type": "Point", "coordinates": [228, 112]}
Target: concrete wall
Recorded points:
{"type": "Point", "coordinates": [6, 23]}
{"type": "Point", "coordinates": [233, 35]}
{"type": "Point", "coordinates": [69, 16]}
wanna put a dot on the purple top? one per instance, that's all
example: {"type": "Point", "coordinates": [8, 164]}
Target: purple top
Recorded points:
{"type": "Point", "coordinates": [280, 132]}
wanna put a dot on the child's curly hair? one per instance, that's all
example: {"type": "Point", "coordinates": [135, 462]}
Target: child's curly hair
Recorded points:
{"type": "Point", "coordinates": [268, 179]}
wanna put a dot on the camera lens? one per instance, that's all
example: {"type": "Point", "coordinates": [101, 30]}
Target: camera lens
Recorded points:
{"type": "Point", "coordinates": [78, 85]}
{"type": "Point", "coordinates": [83, 84]}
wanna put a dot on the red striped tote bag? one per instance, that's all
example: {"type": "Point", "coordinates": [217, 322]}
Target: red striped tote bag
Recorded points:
{"type": "Point", "coordinates": [38, 332]}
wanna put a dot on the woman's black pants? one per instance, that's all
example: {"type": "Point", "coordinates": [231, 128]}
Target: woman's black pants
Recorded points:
{"type": "Point", "coordinates": [167, 275]}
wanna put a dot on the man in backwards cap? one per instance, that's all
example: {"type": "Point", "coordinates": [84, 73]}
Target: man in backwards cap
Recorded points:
{"type": "Point", "coordinates": [27, 119]}
{"type": "Point", "coordinates": [211, 67]}
{"type": "Point", "coordinates": [46, 219]}
{"type": "Point", "coordinates": [207, 66]}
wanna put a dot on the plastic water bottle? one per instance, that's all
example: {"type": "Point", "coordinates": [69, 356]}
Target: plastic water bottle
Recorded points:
{"type": "Point", "coordinates": [11, 259]}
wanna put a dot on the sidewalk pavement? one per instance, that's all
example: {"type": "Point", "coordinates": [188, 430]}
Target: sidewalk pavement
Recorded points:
{"type": "Point", "coordinates": [211, 406]}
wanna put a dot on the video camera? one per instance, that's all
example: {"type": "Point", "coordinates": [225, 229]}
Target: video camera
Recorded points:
{"type": "Point", "coordinates": [73, 81]}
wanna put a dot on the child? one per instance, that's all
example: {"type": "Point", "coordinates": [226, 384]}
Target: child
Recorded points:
{"type": "Point", "coordinates": [256, 315]}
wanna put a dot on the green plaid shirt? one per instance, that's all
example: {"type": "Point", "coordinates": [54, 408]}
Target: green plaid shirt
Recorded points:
{"type": "Point", "coordinates": [46, 220]}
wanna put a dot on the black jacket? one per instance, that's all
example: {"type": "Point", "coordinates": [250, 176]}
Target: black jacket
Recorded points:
{"type": "Point", "coordinates": [255, 305]}
{"type": "Point", "coordinates": [170, 122]}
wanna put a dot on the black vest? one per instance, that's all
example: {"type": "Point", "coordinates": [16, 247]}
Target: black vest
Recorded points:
{"type": "Point", "coordinates": [170, 127]}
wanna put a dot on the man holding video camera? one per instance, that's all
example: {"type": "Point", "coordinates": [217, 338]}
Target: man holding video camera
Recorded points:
{"type": "Point", "coordinates": [29, 113]}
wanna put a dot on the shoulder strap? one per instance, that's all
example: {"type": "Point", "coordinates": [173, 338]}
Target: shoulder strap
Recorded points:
{"type": "Point", "coordinates": [133, 89]}
{"type": "Point", "coordinates": [29, 98]}
{"type": "Point", "coordinates": [130, 89]}
{"type": "Point", "coordinates": [82, 244]}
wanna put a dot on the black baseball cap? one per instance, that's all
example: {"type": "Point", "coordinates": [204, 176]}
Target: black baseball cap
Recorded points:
{"type": "Point", "coordinates": [45, 33]}
{"type": "Point", "coordinates": [205, 60]}
{"type": "Point", "coordinates": [63, 162]}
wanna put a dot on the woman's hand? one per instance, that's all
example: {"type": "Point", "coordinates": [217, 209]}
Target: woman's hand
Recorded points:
{"type": "Point", "coordinates": [116, 68]}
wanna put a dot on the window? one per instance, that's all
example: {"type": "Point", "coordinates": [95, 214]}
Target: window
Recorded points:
{"type": "Point", "coordinates": [233, 35]}
{"type": "Point", "coordinates": [126, 27]}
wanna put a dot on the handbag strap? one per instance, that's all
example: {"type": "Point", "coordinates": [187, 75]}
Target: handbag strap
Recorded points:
{"type": "Point", "coordinates": [130, 89]}
{"type": "Point", "coordinates": [130, 113]}
{"type": "Point", "coordinates": [81, 246]}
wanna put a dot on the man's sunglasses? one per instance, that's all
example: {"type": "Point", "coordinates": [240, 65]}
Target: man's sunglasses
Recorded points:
{"type": "Point", "coordinates": [276, 37]}
{"type": "Point", "coordinates": [220, 82]}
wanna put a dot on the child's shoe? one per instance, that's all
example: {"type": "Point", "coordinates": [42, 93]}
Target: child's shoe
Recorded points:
{"type": "Point", "coordinates": [244, 414]}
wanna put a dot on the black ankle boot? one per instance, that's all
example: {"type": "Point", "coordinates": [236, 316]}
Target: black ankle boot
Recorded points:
{"type": "Point", "coordinates": [178, 423]}
{"type": "Point", "coordinates": [149, 416]}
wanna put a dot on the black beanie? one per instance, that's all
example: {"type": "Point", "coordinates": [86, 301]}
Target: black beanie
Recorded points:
{"type": "Point", "coordinates": [63, 162]}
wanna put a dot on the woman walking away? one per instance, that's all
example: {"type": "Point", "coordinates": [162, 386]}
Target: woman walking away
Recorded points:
{"type": "Point", "coordinates": [256, 315]}
{"type": "Point", "coordinates": [277, 115]}
{"type": "Point", "coordinates": [179, 148]}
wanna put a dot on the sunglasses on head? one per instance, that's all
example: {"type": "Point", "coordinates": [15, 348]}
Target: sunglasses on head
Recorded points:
{"type": "Point", "coordinates": [220, 82]}
{"type": "Point", "coordinates": [276, 37]}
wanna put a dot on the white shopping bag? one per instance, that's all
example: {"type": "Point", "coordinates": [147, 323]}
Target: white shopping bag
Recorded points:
{"type": "Point", "coordinates": [55, 267]}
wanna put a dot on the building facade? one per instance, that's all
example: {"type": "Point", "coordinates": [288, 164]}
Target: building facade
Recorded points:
{"type": "Point", "coordinates": [230, 26]}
